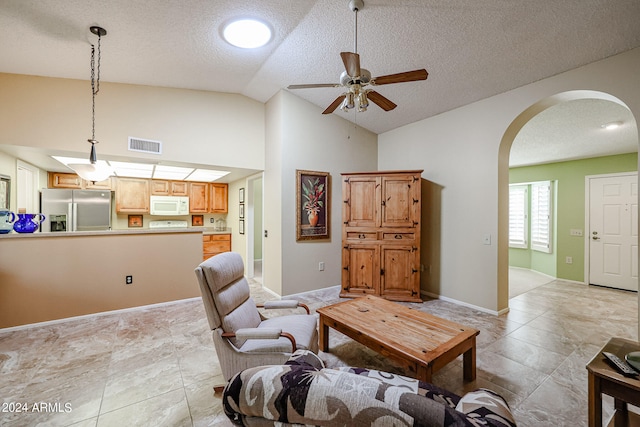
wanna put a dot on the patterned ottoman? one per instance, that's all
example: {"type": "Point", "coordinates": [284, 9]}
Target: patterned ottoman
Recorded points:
{"type": "Point", "coordinates": [303, 392]}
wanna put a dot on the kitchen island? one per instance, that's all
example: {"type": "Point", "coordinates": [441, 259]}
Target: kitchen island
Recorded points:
{"type": "Point", "coordinates": [51, 276]}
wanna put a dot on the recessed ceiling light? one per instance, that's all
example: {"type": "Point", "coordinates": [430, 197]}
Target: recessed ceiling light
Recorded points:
{"type": "Point", "coordinates": [205, 175]}
{"type": "Point", "coordinates": [171, 172]}
{"type": "Point", "coordinates": [612, 125]}
{"type": "Point", "coordinates": [149, 170]}
{"type": "Point", "coordinates": [247, 33]}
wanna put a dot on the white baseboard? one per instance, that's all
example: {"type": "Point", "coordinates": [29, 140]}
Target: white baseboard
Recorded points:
{"type": "Point", "coordinates": [302, 294]}
{"type": "Point", "coordinates": [454, 301]}
{"type": "Point", "coordinates": [100, 314]}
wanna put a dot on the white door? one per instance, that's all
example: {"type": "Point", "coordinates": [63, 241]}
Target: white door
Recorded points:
{"type": "Point", "coordinates": [613, 231]}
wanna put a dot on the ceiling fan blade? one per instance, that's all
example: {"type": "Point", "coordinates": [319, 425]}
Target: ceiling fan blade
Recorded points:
{"type": "Point", "coordinates": [408, 76]}
{"type": "Point", "coordinates": [331, 108]}
{"type": "Point", "coordinates": [351, 63]}
{"type": "Point", "coordinates": [311, 86]}
{"type": "Point", "coordinates": [381, 101]}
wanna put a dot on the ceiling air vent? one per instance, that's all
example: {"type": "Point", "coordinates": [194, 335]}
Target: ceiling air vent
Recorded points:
{"type": "Point", "coordinates": [145, 145]}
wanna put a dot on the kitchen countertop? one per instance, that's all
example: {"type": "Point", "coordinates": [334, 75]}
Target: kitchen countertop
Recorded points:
{"type": "Point", "coordinates": [203, 230]}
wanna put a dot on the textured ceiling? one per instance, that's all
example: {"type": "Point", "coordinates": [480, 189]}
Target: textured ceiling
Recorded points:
{"type": "Point", "coordinates": [472, 49]}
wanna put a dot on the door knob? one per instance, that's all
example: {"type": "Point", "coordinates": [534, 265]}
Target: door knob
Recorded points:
{"type": "Point", "coordinates": [595, 238]}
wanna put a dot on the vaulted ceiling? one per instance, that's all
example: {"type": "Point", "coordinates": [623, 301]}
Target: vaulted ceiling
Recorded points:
{"type": "Point", "coordinates": [472, 49]}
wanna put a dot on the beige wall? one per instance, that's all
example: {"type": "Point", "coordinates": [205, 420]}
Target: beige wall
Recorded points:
{"type": "Point", "coordinates": [48, 278]}
{"type": "Point", "coordinates": [325, 143]}
{"type": "Point", "coordinates": [465, 155]}
{"type": "Point", "coordinates": [196, 127]}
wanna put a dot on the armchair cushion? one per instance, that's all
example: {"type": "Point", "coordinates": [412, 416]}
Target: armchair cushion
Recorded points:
{"type": "Point", "coordinates": [301, 326]}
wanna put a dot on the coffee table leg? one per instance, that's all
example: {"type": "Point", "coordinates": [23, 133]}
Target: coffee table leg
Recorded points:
{"type": "Point", "coordinates": [469, 362]}
{"type": "Point", "coordinates": [324, 335]}
{"type": "Point", "coordinates": [424, 373]}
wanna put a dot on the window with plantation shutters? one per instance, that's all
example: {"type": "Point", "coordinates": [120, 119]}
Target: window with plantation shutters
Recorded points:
{"type": "Point", "coordinates": [541, 216]}
{"type": "Point", "coordinates": [518, 211]}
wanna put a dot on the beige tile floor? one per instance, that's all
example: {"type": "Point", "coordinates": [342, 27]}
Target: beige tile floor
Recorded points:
{"type": "Point", "coordinates": [157, 366]}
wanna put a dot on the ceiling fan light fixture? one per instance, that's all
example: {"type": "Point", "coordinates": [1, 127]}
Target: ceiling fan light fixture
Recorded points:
{"type": "Point", "coordinates": [363, 102]}
{"type": "Point", "coordinates": [247, 33]}
{"type": "Point", "coordinates": [350, 100]}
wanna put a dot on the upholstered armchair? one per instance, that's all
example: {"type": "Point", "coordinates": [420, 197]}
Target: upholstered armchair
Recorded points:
{"type": "Point", "coordinates": [242, 336]}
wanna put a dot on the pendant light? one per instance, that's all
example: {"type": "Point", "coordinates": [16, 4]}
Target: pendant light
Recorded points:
{"type": "Point", "coordinates": [94, 171]}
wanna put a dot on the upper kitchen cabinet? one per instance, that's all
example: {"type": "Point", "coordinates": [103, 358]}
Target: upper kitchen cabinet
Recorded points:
{"type": "Point", "coordinates": [132, 195]}
{"type": "Point", "coordinates": [73, 181]}
{"type": "Point", "coordinates": [219, 198]}
{"type": "Point", "coordinates": [161, 187]}
{"type": "Point", "coordinates": [198, 197]}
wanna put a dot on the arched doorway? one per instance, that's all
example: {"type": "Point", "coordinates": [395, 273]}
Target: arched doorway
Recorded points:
{"type": "Point", "coordinates": [508, 139]}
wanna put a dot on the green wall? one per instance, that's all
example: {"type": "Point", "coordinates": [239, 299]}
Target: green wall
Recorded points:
{"type": "Point", "coordinates": [569, 211]}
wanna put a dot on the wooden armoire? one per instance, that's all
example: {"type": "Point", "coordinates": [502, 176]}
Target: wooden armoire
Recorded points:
{"type": "Point", "coordinates": [381, 234]}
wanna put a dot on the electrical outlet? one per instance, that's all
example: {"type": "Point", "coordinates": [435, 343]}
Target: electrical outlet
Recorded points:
{"type": "Point", "coordinates": [321, 266]}
{"type": "Point", "coordinates": [211, 220]}
{"type": "Point", "coordinates": [568, 260]}
{"type": "Point", "coordinates": [128, 280]}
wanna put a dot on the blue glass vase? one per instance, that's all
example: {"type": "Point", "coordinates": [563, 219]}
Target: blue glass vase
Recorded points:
{"type": "Point", "coordinates": [28, 223]}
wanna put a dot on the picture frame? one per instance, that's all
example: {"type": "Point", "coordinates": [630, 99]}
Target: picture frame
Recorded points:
{"type": "Point", "coordinates": [241, 195]}
{"type": "Point", "coordinates": [197, 220]}
{"type": "Point", "coordinates": [241, 211]}
{"type": "Point", "coordinates": [134, 221]}
{"type": "Point", "coordinates": [313, 205]}
{"type": "Point", "coordinates": [5, 191]}
{"type": "Point", "coordinates": [241, 227]}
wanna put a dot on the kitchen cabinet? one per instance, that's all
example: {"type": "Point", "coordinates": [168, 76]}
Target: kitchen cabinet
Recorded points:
{"type": "Point", "coordinates": [73, 181]}
{"type": "Point", "coordinates": [213, 244]}
{"type": "Point", "coordinates": [199, 197]}
{"type": "Point", "coordinates": [161, 187]}
{"type": "Point", "coordinates": [381, 235]}
{"type": "Point", "coordinates": [219, 198]}
{"type": "Point", "coordinates": [132, 195]}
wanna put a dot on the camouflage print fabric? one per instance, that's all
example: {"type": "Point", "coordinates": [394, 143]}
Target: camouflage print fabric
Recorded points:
{"type": "Point", "coordinates": [300, 394]}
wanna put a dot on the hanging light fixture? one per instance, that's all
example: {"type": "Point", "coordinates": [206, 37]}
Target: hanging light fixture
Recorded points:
{"type": "Point", "coordinates": [94, 170]}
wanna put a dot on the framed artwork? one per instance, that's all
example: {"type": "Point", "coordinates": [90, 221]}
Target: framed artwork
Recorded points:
{"type": "Point", "coordinates": [241, 227]}
{"type": "Point", "coordinates": [241, 211]}
{"type": "Point", "coordinates": [135, 220]}
{"type": "Point", "coordinates": [5, 191]}
{"type": "Point", "coordinates": [312, 205]}
{"type": "Point", "coordinates": [197, 220]}
{"type": "Point", "coordinates": [241, 195]}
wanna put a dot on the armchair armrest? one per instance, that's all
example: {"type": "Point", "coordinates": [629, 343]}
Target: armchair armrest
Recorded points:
{"type": "Point", "coordinates": [261, 333]}
{"type": "Point", "coordinates": [283, 303]}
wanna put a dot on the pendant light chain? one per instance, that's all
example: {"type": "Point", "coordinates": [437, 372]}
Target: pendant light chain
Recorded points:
{"type": "Point", "coordinates": [95, 86]}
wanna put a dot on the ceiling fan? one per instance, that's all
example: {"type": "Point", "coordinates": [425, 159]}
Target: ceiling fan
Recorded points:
{"type": "Point", "coordinates": [357, 80]}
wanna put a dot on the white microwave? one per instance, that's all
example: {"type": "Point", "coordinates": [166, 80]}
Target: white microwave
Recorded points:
{"type": "Point", "coordinates": [169, 205]}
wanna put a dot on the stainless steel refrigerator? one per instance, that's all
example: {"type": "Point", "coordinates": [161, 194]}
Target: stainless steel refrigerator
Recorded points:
{"type": "Point", "coordinates": [75, 210]}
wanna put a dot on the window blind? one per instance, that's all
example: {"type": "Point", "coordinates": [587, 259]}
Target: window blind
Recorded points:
{"type": "Point", "coordinates": [518, 209]}
{"type": "Point", "coordinates": [541, 216]}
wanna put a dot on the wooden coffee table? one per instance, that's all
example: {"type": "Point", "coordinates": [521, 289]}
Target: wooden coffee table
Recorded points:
{"type": "Point", "coordinates": [420, 342]}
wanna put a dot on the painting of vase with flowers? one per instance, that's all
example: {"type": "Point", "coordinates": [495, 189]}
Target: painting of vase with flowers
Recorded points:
{"type": "Point", "coordinates": [312, 205]}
